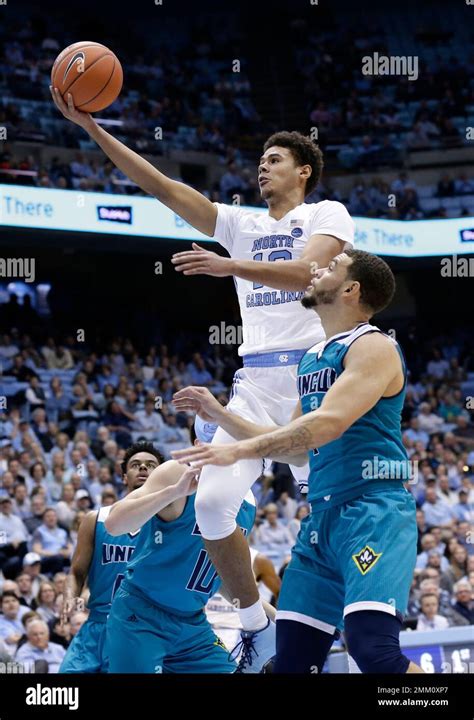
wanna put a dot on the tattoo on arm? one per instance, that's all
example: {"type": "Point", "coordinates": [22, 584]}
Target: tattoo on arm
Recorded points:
{"type": "Point", "coordinates": [287, 441]}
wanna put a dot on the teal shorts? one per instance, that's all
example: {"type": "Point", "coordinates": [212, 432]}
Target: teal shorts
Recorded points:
{"type": "Point", "coordinates": [143, 638]}
{"type": "Point", "coordinates": [85, 654]}
{"type": "Point", "coordinates": [359, 555]}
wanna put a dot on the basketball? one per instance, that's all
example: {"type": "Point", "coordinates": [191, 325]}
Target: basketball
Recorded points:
{"type": "Point", "coordinates": [91, 73]}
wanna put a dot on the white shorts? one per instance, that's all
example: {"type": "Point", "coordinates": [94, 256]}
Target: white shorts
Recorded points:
{"type": "Point", "coordinates": [266, 396]}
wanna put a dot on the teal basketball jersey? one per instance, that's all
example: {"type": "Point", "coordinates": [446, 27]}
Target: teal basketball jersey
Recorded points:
{"type": "Point", "coordinates": [109, 560]}
{"type": "Point", "coordinates": [170, 566]}
{"type": "Point", "coordinates": [371, 450]}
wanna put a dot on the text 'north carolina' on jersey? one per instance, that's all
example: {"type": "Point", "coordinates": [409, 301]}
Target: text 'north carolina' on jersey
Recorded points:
{"type": "Point", "coordinates": [109, 560]}
{"type": "Point", "coordinates": [371, 449]}
{"type": "Point", "coordinates": [170, 566]}
{"type": "Point", "coordinates": [275, 319]}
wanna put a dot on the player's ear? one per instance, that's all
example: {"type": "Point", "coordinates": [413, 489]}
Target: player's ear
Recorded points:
{"type": "Point", "coordinates": [353, 287]}
{"type": "Point", "coordinates": [197, 442]}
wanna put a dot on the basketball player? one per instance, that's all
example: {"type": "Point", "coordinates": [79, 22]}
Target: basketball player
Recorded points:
{"type": "Point", "coordinates": [354, 558]}
{"type": "Point", "coordinates": [157, 622]}
{"type": "Point", "coordinates": [101, 559]}
{"type": "Point", "coordinates": [273, 256]}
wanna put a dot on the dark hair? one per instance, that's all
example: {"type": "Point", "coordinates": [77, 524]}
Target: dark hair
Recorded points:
{"type": "Point", "coordinates": [9, 593]}
{"type": "Point", "coordinates": [138, 447]}
{"type": "Point", "coordinates": [32, 468]}
{"type": "Point", "coordinates": [304, 152]}
{"type": "Point", "coordinates": [377, 283]}
{"type": "Point", "coordinates": [428, 594]}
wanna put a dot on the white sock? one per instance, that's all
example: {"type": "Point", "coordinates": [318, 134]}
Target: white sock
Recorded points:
{"type": "Point", "coordinates": [253, 618]}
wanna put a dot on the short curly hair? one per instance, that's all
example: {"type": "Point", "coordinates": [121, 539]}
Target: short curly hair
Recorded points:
{"type": "Point", "coordinates": [304, 152]}
{"type": "Point", "coordinates": [139, 447]}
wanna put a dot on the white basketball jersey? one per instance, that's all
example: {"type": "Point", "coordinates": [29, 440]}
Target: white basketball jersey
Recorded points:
{"type": "Point", "coordinates": [274, 320]}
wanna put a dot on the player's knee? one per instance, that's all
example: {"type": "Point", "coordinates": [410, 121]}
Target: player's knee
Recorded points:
{"type": "Point", "coordinates": [214, 514]}
{"type": "Point", "coordinates": [373, 641]}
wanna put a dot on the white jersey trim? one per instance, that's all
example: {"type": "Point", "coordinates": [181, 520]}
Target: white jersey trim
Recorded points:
{"type": "Point", "coordinates": [104, 513]}
{"type": "Point", "coordinates": [348, 337]}
{"type": "Point", "coordinates": [306, 620]}
{"type": "Point", "coordinates": [369, 605]}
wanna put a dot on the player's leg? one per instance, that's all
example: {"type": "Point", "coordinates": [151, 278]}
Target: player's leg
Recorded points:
{"type": "Point", "coordinates": [198, 649]}
{"type": "Point", "coordinates": [377, 540]}
{"type": "Point", "coordinates": [138, 636]}
{"type": "Point", "coordinates": [372, 638]}
{"type": "Point", "coordinates": [311, 601]}
{"type": "Point", "coordinates": [84, 654]}
{"type": "Point", "coordinates": [259, 395]}
{"type": "Point", "coordinates": [220, 494]}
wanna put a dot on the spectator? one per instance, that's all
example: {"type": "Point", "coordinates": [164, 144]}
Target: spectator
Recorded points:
{"type": "Point", "coordinates": [66, 507]}
{"type": "Point", "coordinates": [287, 507]}
{"type": "Point", "coordinates": [428, 544]}
{"type": "Point", "coordinates": [446, 186]}
{"type": "Point", "coordinates": [147, 423]}
{"type": "Point", "coordinates": [427, 420]}
{"type": "Point", "coordinates": [431, 586]}
{"type": "Point", "coordinates": [415, 434]}
{"type": "Point", "coordinates": [457, 568]}
{"type": "Point", "coordinates": [38, 647]}
{"type": "Point", "coordinates": [58, 358]}
{"type": "Point", "coordinates": [38, 506]}
{"type": "Point", "coordinates": [83, 502]}
{"type": "Point", "coordinates": [438, 366]}
{"type": "Point", "coordinates": [117, 422]}
{"type": "Point", "coordinates": [445, 493]}
{"type": "Point", "coordinates": [11, 628]}
{"type": "Point", "coordinates": [436, 511]}
{"type": "Point", "coordinates": [463, 510]}
{"type": "Point", "coordinates": [59, 581]}
{"type": "Point", "coordinates": [51, 543]}
{"type": "Point", "coordinates": [77, 620]}
{"type": "Point", "coordinates": [464, 604]}
{"type": "Point", "coordinates": [25, 589]}
{"type": "Point", "coordinates": [272, 533]}
{"type": "Point", "coordinates": [295, 524]}
{"type": "Point", "coordinates": [32, 567]}
{"type": "Point", "coordinates": [109, 497]}
{"type": "Point", "coordinates": [13, 536]}
{"type": "Point", "coordinates": [45, 602]}
{"type": "Point", "coordinates": [60, 632]}
{"type": "Point", "coordinates": [429, 618]}
{"type": "Point", "coordinates": [35, 394]}
{"type": "Point", "coordinates": [21, 501]}
{"type": "Point", "coordinates": [75, 527]}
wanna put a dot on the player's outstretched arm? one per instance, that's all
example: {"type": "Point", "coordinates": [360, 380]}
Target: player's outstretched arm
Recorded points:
{"type": "Point", "coordinates": [168, 484]}
{"type": "Point", "coordinates": [80, 564]}
{"type": "Point", "coordinates": [201, 401]}
{"type": "Point", "coordinates": [372, 367]}
{"type": "Point", "coordinates": [188, 203]}
{"type": "Point", "coordinates": [291, 275]}
{"type": "Point", "coordinates": [288, 275]}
